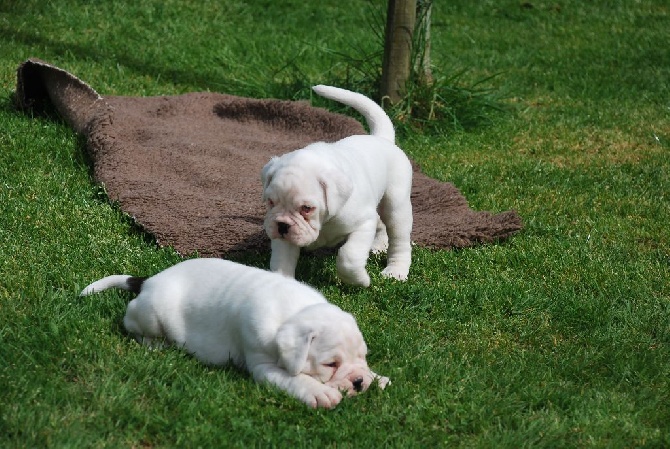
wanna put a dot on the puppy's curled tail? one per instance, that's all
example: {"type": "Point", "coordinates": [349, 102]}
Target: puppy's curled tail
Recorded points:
{"type": "Point", "coordinates": [122, 281]}
{"type": "Point", "coordinates": [379, 122]}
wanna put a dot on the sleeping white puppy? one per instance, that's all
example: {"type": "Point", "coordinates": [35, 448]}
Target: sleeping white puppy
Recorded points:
{"type": "Point", "coordinates": [355, 191]}
{"type": "Point", "coordinates": [280, 330]}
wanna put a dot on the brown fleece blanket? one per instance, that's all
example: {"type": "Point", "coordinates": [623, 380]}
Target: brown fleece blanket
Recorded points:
{"type": "Point", "coordinates": [187, 167]}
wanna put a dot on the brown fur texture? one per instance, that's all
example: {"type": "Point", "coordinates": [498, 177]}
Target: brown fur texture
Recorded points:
{"type": "Point", "coordinates": [187, 167]}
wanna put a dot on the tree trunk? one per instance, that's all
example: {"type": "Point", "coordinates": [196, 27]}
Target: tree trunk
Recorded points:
{"type": "Point", "coordinates": [424, 9]}
{"type": "Point", "coordinates": [400, 22]}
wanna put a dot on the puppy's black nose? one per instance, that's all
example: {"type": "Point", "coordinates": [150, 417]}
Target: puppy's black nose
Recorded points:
{"type": "Point", "coordinates": [282, 228]}
{"type": "Point", "coordinates": [358, 384]}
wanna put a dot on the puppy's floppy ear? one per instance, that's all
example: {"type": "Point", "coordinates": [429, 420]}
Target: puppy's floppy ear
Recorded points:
{"type": "Point", "coordinates": [337, 188]}
{"type": "Point", "coordinates": [293, 341]}
{"type": "Point", "coordinates": [268, 171]}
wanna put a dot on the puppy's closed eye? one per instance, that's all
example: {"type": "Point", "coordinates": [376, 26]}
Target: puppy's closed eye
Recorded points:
{"type": "Point", "coordinates": [332, 364]}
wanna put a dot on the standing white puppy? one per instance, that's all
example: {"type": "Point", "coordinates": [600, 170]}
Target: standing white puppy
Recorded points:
{"type": "Point", "coordinates": [280, 330]}
{"type": "Point", "coordinates": [355, 191]}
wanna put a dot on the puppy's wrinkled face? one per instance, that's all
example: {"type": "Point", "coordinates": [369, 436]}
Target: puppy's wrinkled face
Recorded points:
{"type": "Point", "coordinates": [324, 342]}
{"type": "Point", "coordinates": [295, 202]}
{"type": "Point", "coordinates": [294, 209]}
{"type": "Point", "coordinates": [337, 358]}
{"type": "Point", "coordinates": [302, 191]}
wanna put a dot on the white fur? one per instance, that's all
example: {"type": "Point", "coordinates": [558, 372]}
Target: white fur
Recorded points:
{"type": "Point", "coordinates": [355, 191]}
{"type": "Point", "coordinates": [280, 330]}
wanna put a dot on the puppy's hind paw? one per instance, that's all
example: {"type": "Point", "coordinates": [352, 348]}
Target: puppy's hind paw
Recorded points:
{"type": "Point", "coordinates": [380, 244]}
{"type": "Point", "coordinates": [378, 249]}
{"type": "Point", "coordinates": [395, 273]}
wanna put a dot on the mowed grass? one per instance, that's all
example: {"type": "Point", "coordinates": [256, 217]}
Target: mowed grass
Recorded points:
{"type": "Point", "coordinates": [558, 337]}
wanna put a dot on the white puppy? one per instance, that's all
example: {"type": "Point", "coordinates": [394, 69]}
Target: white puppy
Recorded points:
{"type": "Point", "coordinates": [355, 191]}
{"type": "Point", "coordinates": [280, 330]}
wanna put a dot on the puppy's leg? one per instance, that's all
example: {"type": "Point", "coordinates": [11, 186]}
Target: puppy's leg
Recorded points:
{"type": "Point", "coordinates": [142, 322]}
{"type": "Point", "coordinates": [398, 219]}
{"type": "Point", "coordinates": [284, 257]}
{"type": "Point", "coordinates": [381, 242]}
{"type": "Point", "coordinates": [303, 387]}
{"type": "Point", "coordinates": [353, 255]}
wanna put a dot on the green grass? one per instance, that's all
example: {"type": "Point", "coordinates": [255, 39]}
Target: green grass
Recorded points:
{"type": "Point", "coordinates": [559, 337]}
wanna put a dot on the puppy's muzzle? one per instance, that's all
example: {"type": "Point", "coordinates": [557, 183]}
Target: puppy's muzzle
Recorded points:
{"type": "Point", "coordinates": [358, 384]}
{"type": "Point", "coordinates": [282, 228]}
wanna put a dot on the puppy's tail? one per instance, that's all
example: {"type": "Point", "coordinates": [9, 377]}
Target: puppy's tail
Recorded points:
{"type": "Point", "coordinates": [379, 122]}
{"type": "Point", "coordinates": [122, 281]}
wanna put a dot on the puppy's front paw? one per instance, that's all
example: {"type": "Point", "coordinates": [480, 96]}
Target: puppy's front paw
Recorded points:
{"type": "Point", "coordinates": [323, 396]}
{"type": "Point", "coordinates": [352, 272]}
{"type": "Point", "coordinates": [358, 277]}
{"type": "Point", "coordinates": [383, 381]}
{"type": "Point", "coordinates": [395, 273]}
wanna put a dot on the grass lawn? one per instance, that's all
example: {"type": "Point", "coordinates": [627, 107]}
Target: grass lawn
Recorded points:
{"type": "Point", "coordinates": [558, 337]}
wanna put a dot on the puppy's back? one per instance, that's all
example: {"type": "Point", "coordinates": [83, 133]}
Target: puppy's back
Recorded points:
{"type": "Point", "coordinates": [218, 309]}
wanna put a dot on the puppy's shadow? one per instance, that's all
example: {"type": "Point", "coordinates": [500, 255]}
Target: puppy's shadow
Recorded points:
{"type": "Point", "coordinates": [318, 269]}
